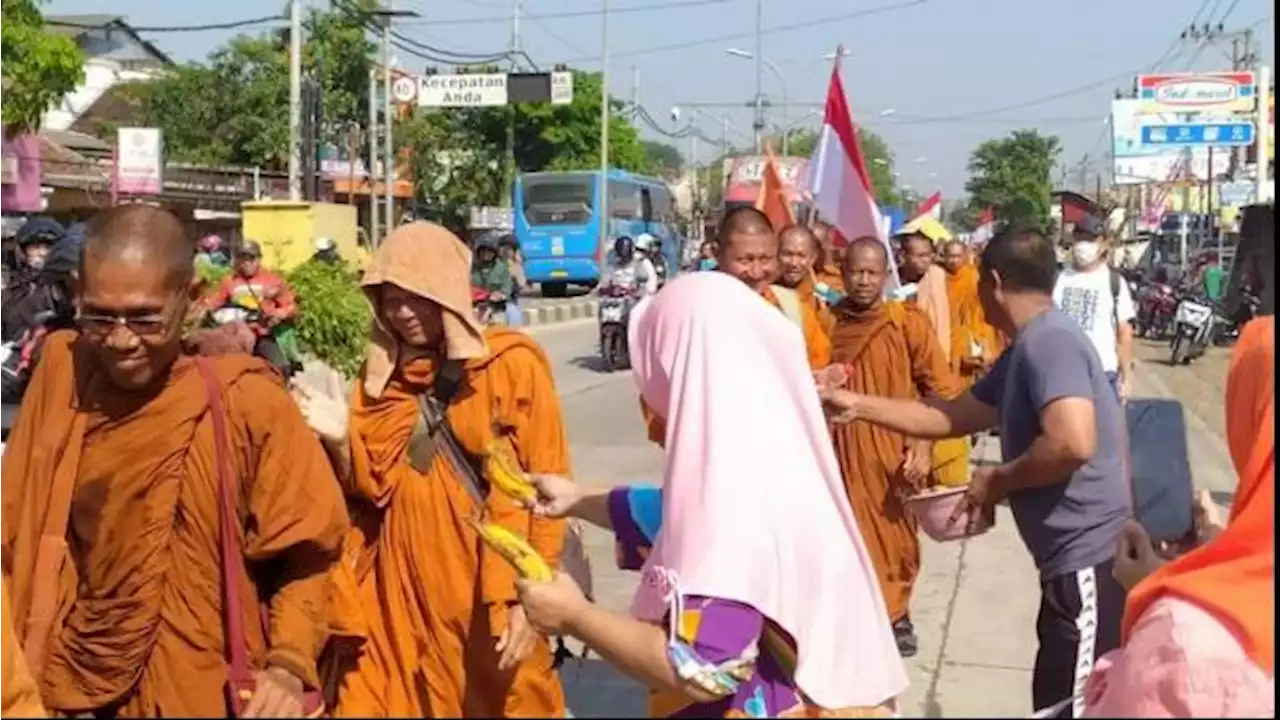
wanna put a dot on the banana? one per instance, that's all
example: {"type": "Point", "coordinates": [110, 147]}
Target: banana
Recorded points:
{"type": "Point", "coordinates": [515, 550]}
{"type": "Point", "coordinates": [508, 477]}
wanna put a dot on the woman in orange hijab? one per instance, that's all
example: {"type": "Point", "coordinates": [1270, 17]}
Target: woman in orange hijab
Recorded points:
{"type": "Point", "coordinates": [1199, 632]}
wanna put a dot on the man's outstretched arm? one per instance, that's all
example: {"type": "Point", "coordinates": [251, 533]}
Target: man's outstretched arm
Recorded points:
{"type": "Point", "coordinates": [932, 418]}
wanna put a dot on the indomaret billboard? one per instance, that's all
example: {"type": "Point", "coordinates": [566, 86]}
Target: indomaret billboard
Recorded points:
{"type": "Point", "coordinates": [742, 176]}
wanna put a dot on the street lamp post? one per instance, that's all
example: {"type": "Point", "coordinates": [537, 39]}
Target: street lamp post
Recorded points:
{"type": "Point", "coordinates": [782, 85]}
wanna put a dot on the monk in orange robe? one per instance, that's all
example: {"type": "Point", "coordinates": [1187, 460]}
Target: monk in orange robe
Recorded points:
{"type": "Point", "coordinates": [18, 694]}
{"type": "Point", "coordinates": [112, 502]}
{"type": "Point", "coordinates": [748, 250]}
{"type": "Point", "coordinates": [887, 349]}
{"type": "Point", "coordinates": [826, 267]}
{"type": "Point", "coordinates": [975, 344]}
{"type": "Point", "coordinates": [798, 250]}
{"type": "Point", "coordinates": [447, 637]}
{"type": "Point", "coordinates": [950, 456]}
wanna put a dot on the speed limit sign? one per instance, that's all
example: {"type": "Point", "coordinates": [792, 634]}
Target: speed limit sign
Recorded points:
{"type": "Point", "coordinates": [404, 89]}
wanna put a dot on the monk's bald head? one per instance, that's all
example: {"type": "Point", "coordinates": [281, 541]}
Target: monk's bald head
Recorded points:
{"type": "Point", "coordinates": [798, 252]}
{"type": "Point", "coordinates": [954, 255]}
{"type": "Point", "coordinates": [139, 236]}
{"type": "Point", "coordinates": [866, 265]}
{"type": "Point", "coordinates": [748, 248]}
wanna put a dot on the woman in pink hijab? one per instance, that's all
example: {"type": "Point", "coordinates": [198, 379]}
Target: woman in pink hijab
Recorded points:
{"type": "Point", "coordinates": [757, 597]}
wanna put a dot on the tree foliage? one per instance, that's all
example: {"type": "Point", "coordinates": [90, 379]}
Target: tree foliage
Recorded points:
{"type": "Point", "coordinates": [1012, 175]}
{"type": "Point", "coordinates": [233, 108]}
{"type": "Point", "coordinates": [665, 159]}
{"type": "Point", "coordinates": [38, 68]}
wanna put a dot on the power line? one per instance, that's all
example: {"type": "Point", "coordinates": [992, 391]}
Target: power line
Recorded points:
{"type": "Point", "coordinates": [567, 14]}
{"type": "Point", "coordinates": [229, 25]}
{"type": "Point", "coordinates": [881, 9]}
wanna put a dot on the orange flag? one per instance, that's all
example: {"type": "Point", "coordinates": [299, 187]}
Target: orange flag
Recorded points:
{"type": "Point", "coordinates": [774, 200]}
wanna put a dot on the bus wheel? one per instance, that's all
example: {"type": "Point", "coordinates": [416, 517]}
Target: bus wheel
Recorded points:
{"type": "Point", "coordinates": [555, 289]}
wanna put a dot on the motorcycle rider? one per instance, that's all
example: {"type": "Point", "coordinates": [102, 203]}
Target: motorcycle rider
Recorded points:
{"type": "Point", "coordinates": [632, 268]}
{"type": "Point", "coordinates": [490, 274]}
{"type": "Point", "coordinates": [651, 248]}
{"type": "Point", "coordinates": [253, 286]}
{"type": "Point", "coordinates": [326, 251]}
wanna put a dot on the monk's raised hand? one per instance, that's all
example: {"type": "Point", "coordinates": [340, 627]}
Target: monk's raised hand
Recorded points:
{"type": "Point", "coordinates": [831, 377]}
{"type": "Point", "coordinates": [327, 416]}
{"type": "Point", "coordinates": [918, 464]}
{"type": "Point", "coordinates": [552, 606]}
{"type": "Point", "coordinates": [557, 496]}
{"type": "Point", "coordinates": [517, 639]}
{"type": "Point", "coordinates": [279, 694]}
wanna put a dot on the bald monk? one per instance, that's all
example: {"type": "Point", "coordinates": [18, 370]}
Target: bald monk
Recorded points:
{"type": "Point", "coordinates": [748, 250]}
{"type": "Point", "coordinates": [112, 502]}
{"type": "Point", "coordinates": [446, 635]}
{"type": "Point", "coordinates": [826, 267]}
{"type": "Point", "coordinates": [975, 344]}
{"type": "Point", "coordinates": [887, 349]}
{"type": "Point", "coordinates": [919, 268]}
{"type": "Point", "coordinates": [798, 251]}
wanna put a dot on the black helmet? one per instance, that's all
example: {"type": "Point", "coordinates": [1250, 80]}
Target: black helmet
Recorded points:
{"type": "Point", "coordinates": [624, 247]}
{"type": "Point", "coordinates": [40, 230]}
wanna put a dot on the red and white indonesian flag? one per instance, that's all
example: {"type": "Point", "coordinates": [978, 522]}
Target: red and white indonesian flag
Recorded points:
{"type": "Point", "coordinates": [931, 207]}
{"type": "Point", "coordinates": [838, 179]}
{"type": "Point", "coordinates": [982, 234]}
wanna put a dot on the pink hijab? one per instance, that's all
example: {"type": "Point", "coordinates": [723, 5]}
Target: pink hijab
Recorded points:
{"type": "Point", "coordinates": [754, 508]}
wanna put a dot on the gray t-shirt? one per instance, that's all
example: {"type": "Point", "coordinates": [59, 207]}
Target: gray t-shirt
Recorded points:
{"type": "Point", "coordinates": [1071, 525]}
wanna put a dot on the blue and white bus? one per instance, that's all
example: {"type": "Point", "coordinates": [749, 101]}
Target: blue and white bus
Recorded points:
{"type": "Point", "coordinates": [557, 224]}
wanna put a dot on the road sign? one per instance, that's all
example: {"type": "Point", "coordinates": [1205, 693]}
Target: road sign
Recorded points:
{"type": "Point", "coordinates": [561, 88]}
{"type": "Point", "coordinates": [404, 89]}
{"type": "Point", "coordinates": [1230, 134]}
{"type": "Point", "coordinates": [1197, 92]}
{"type": "Point", "coordinates": [463, 90]}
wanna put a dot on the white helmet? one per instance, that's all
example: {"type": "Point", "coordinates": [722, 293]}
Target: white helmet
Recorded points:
{"type": "Point", "coordinates": [325, 244]}
{"type": "Point", "coordinates": [644, 241]}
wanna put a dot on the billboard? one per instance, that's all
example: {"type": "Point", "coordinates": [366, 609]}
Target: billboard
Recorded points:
{"type": "Point", "coordinates": [1211, 92]}
{"type": "Point", "coordinates": [742, 175]}
{"type": "Point", "coordinates": [139, 161]}
{"type": "Point", "coordinates": [1135, 163]}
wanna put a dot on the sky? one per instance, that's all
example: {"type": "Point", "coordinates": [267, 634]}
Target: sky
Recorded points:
{"type": "Point", "coordinates": [935, 78]}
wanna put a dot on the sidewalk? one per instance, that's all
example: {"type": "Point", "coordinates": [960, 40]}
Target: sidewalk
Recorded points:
{"type": "Point", "coordinates": [974, 609]}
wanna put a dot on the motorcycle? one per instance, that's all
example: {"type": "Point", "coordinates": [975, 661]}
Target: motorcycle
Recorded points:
{"type": "Point", "coordinates": [240, 317]}
{"type": "Point", "coordinates": [1193, 329]}
{"type": "Point", "coordinates": [616, 302]}
{"type": "Point", "coordinates": [1228, 330]}
{"type": "Point", "coordinates": [1156, 306]}
{"type": "Point", "coordinates": [485, 307]}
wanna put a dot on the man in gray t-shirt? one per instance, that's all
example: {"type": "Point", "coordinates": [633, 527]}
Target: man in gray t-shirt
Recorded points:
{"type": "Point", "coordinates": [1072, 525]}
{"type": "Point", "coordinates": [1063, 471]}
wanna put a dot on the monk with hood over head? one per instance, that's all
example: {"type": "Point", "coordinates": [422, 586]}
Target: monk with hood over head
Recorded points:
{"type": "Point", "coordinates": [446, 636]}
{"type": "Point", "coordinates": [115, 503]}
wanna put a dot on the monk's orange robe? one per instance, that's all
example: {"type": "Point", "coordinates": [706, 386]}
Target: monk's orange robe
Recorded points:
{"type": "Point", "coordinates": [135, 623]}
{"type": "Point", "coordinates": [817, 344]}
{"type": "Point", "coordinates": [889, 351]}
{"type": "Point", "coordinates": [19, 697]}
{"type": "Point", "coordinates": [436, 599]}
{"type": "Point", "coordinates": [969, 326]}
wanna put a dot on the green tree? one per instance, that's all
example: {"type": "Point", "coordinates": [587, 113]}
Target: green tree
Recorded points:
{"type": "Point", "coordinates": [38, 68]}
{"type": "Point", "coordinates": [567, 137]}
{"type": "Point", "coordinates": [1011, 175]}
{"type": "Point", "coordinates": [233, 109]}
{"type": "Point", "coordinates": [663, 158]}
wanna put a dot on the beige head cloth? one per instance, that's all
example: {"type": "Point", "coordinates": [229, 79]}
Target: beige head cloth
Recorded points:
{"type": "Point", "coordinates": [431, 262]}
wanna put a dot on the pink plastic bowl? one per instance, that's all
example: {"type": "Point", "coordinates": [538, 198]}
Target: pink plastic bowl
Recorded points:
{"type": "Point", "coordinates": [933, 509]}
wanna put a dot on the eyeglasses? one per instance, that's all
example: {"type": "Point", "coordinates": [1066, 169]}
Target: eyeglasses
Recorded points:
{"type": "Point", "coordinates": [143, 326]}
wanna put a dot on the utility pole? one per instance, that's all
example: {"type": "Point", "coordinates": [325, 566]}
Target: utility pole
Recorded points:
{"type": "Point", "coordinates": [372, 171]}
{"type": "Point", "coordinates": [295, 100]}
{"type": "Point", "coordinates": [635, 88]}
{"type": "Point", "coordinates": [1263, 121]}
{"type": "Point", "coordinates": [388, 140]}
{"type": "Point", "coordinates": [603, 212]}
{"type": "Point", "coordinates": [516, 8]}
{"type": "Point", "coordinates": [758, 124]}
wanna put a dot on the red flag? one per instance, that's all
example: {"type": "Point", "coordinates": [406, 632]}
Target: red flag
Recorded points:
{"type": "Point", "coordinates": [986, 228]}
{"type": "Point", "coordinates": [774, 200]}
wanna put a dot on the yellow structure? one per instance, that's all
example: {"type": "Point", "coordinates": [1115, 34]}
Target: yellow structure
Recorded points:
{"type": "Point", "coordinates": [287, 231]}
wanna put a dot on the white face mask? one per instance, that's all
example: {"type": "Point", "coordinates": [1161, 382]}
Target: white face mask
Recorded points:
{"type": "Point", "coordinates": [1086, 252]}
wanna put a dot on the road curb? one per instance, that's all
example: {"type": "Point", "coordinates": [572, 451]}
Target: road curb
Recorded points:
{"type": "Point", "coordinates": [561, 312]}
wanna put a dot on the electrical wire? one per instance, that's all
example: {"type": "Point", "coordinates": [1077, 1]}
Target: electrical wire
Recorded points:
{"type": "Point", "coordinates": [230, 25]}
{"type": "Point", "coordinates": [566, 14]}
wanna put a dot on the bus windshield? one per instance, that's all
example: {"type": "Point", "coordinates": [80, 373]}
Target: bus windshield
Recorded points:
{"type": "Point", "coordinates": [558, 200]}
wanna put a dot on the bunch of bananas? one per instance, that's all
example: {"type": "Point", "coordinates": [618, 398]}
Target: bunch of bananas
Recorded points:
{"type": "Point", "coordinates": [507, 476]}
{"type": "Point", "coordinates": [515, 550]}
